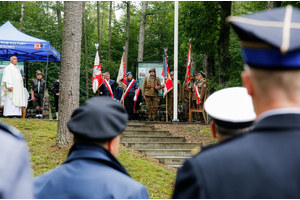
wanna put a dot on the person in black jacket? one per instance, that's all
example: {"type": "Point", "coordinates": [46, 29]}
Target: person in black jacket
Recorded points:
{"type": "Point", "coordinates": [55, 90]}
{"type": "Point", "coordinates": [264, 163]}
{"type": "Point", "coordinates": [137, 103]}
{"type": "Point", "coordinates": [103, 89]}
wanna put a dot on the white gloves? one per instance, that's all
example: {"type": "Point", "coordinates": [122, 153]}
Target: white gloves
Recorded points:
{"type": "Point", "coordinates": [134, 99]}
{"type": "Point", "coordinates": [140, 103]}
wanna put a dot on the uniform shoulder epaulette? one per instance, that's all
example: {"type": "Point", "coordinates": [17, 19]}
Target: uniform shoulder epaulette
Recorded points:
{"type": "Point", "coordinates": [211, 146]}
{"type": "Point", "coordinates": [11, 130]}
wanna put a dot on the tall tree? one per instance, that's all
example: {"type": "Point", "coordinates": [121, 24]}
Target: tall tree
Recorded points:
{"type": "Point", "coordinates": [274, 4]}
{"type": "Point", "coordinates": [98, 27]}
{"type": "Point", "coordinates": [85, 51]}
{"type": "Point", "coordinates": [223, 42]}
{"type": "Point", "coordinates": [109, 29]}
{"type": "Point", "coordinates": [22, 15]}
{"type": "Point", "coordinates": [142, 31]}
{"type": "Point", "coordinates": [70, 70]}
{"type": "Point", "coordinates": [127, 35]}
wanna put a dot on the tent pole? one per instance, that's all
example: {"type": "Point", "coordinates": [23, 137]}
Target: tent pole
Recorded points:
{"type": "Point", "coordinates": [26, 73]}
{"type": "Point", "coordinates": [45, 83]}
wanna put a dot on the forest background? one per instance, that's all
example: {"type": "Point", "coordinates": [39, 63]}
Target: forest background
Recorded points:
{"type": "Point", "coordinates": [215, 48]}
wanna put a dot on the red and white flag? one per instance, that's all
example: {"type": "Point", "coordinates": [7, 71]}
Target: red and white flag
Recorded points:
{"type": "Point", "coordinates": [168, 83]}
{"type": "Point", "coordinates": [137, 96]}
{"type": "Point", "coordinates": [197, 93]}
{"type": "Point", "coordinates": [109, 88]}
{"type": "Point", "coordinates": [97, 74]}
{"type": "Point", "coordinates": [188, 66]}
{"type": "Point", "coordinates": [121, 79]}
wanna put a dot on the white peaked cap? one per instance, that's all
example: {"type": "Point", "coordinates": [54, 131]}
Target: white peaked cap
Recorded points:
{"type": "Point", "coordinates": [231, 107]}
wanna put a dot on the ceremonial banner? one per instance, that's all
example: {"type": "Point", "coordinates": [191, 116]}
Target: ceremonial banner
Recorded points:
{"type": "Point", "coordinates": [121, 80]}
{"type": "Point", "coordinates": [188, 66]}
{"type": "Point", "coordinates": [97, 74]}
{"type": "Point", "coordinates": [137, 95]}
{"type": "Point", "coordinates": [166, 74]}
{"type": "Point", "coordinates": [127, 90]}
{"type": "Point", "coordinates": [109, 88]}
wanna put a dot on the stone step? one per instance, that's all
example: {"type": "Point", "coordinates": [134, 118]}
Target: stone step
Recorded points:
{"type": "Point", "coordinates": [135, 123]}
{"type": "Point", "coordinates": [155, 139]}
{"type": "Point", "coordinates": [175, 166]}
{"type": "Point", "coordinates": [145, 133]}
{"type": "Point", "coordinates": [166, 152]}
{"type": "Point", "coordinates": [160, 145]}
{"type": "Point", "coordinates": [140, 127]}
{"type": "Point", "coordinates": [170, 160]}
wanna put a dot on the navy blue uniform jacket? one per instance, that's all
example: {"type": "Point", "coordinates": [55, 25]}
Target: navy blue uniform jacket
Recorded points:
{"type": "Point", "coordinates": [104, 89]}
{"type": "Point", "coordinates": [89, 172]}
{"type": "Point", "coordinates": [264, 163]}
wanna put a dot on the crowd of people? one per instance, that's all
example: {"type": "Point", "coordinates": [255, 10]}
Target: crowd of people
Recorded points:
{"type": "Point", "coordinates": [257, 127]}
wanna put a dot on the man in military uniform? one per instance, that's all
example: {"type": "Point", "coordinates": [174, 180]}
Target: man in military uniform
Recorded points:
{"type": "Point", "coordinates": [264, 163]}
{"type": "Point", "coordinates": [202, 88]}
{"type": "Point", "coordinates": [150, 91]}
{"type": "Point", "coordinates": [55, 90]}
{"type": "Point", "coordinates": [186, 90]}
{"type": "Point", "coordinates": [38, 93]}
{"type": "Point", "coordinates": [170, 96]}
{"type": "Point", "coordinates": [91, 170]}
{"type": "Point", "coordinates": [15, 170]}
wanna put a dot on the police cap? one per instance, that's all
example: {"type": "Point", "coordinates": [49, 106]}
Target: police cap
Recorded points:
{"type": "Point", "coordinates": [270, 39]}
{"type": "Point", "coordinates": [231, 108]}
{"type": "Point", "coordinates": [152, 70]}
{"type": "Point", "coordinates": [100, 118]}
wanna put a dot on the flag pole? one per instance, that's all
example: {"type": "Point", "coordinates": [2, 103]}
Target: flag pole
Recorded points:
{"type": "Point", "coordinates": [175, 86]}
{"type": "Point", "coordinates": [167, 114]}
{"type": "Point", "coordinates": [190, 40]}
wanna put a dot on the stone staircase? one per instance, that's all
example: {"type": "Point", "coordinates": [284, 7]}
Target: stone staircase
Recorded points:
{"type": "Point", "coordinates": [171, 151]}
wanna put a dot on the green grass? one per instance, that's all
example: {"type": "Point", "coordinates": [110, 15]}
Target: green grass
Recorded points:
{"type": "Point", "coordinates": [41, 135]}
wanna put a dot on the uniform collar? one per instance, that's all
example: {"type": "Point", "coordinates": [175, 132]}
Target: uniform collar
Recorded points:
{"type": "Point", "coordinates": [94, 152]}
{"type": "Point", "coordinates": [281, 118]}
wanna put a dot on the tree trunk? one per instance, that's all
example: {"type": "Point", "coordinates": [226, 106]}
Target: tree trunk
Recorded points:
{"type": "Point", "coordinates": [86, 52]}
{"type": "Point", "coordinates": [274, 4]}
{"type": "Point", "coordinates": [127, 36]}
{"type": "Point", "coordinates": [22, 15]}
{"type": "Point", "coordinates": [58, 13]}
{"type": "Point", "coordinates": [98, 26]}
{"type": "Point", "coordinates": [209, 66]}
{"type": "Point", "coordinates": [70, 70]}
{"type": "Point", "coordinates": [142, 31]}
{"type": "Point", "coordinates": [109, 29]}
{"type": "Point", "coordinates": [223, 42]}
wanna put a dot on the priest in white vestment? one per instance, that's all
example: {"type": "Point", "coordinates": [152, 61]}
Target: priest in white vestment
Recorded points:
{"type": "Point", "coordinates": [12, 94]}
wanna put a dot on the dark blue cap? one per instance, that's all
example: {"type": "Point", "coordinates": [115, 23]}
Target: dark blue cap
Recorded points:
{"type": "Point", "coordinates": [270, 39]}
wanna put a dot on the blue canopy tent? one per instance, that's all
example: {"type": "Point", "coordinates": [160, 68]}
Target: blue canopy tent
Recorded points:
{"type": "Point", "coordinates": [27, 48]}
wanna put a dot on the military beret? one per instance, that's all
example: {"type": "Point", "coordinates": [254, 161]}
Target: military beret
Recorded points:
{"type": "Point", "coordinates": [172, 73]}
{"type": "Point", "coordinates": [100, 118]}
{"type": "Point", "coordinates": [128, 73]}
{"type": "Point", "coordinates": [231, 108]}
{"type": "Point", "coordinates": [270, 39]}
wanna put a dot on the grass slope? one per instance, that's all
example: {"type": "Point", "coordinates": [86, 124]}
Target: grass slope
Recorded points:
{"type": "Point", "coordinates": [41, 135]}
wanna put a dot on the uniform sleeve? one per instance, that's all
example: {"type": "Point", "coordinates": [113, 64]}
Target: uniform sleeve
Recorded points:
{"type": "Point", "coordinates": [182, 91]}
{"type": "Point", "coordinates": [144, 84]}
{"type": "Point", "coordinates": [203, 90]}
{"type": "Point", "coordinates": [32, 84]}
{"type": "Point", "coordinates": [53, 88]}
{"type": "Point", "coordinates": [159, 84]}
{"type": "Point", "coordinates": [187, 184]}
{"type": "Point", "coordinates": [113, 87]}
{"type": "Point", "coordinates": [179, 90]}
{"type": "Point", "coordinates": [19, 182]}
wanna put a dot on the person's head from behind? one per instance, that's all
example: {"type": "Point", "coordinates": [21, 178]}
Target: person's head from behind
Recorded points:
{"type": "Point", "coordinates": [272, 71]}
{"type": "Point", "coordinates": [106, 75]}
{"type": "Point", "coordinates": [99, 125]}
{"type": "Point", "coordinates": [232, 112]}
{"type": "Point", "coordinates": [172, 75]}
{"type": "Point", "coordinates": [14, 60]}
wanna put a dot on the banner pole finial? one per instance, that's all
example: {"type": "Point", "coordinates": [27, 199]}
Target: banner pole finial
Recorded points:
{"type": "Point", "coordinates": [97, 45]}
